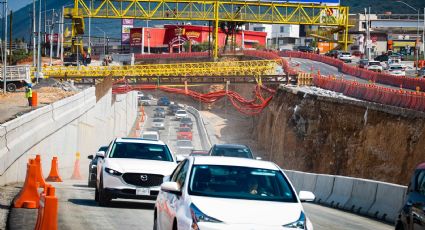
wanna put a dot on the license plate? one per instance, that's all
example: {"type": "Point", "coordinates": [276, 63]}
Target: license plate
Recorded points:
{"type": "Point", "coordinates": [143, 191]}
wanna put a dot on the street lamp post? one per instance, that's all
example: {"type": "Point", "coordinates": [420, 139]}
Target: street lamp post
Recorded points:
{"type": "Point", "coordinates": [5, 45]}
{"type": "Point", "coordinates": [104, 40]}
{"type": "Point", "coordinates": [417, 35]}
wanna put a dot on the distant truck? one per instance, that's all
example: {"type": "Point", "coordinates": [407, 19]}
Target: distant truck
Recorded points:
{"type": "Point", "coordinates": [16, 77]}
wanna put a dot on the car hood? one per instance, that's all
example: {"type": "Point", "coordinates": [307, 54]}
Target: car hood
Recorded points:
{"type": "Point", "coordinates": [140, 166]}
{"type": "Point", "coordinates": [240, 211]}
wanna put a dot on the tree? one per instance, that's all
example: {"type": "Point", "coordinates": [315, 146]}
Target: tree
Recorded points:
{"type": "Point", "coordinates": [230, 29]}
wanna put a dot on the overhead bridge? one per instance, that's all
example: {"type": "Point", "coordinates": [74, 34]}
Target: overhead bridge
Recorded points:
{"type": "Point", "coordinates": [201, 72]}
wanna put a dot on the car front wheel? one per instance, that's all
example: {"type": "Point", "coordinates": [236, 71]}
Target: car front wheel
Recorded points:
{"type": "Point", "coordinates": [103, 198]}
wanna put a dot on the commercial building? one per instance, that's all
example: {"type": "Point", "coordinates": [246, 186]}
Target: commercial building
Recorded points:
{"type": "Point", "coordinates": [279, 36]}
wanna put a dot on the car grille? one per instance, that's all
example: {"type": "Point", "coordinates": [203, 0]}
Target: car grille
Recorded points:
{"type": "Point", "coordinates": [136, 179]}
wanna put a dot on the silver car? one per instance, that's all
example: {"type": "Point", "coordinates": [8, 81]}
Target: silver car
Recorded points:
{"type": "Point", "coordinates": [184, 147]}
{"type": "Point", "coordinates": [158, 123]}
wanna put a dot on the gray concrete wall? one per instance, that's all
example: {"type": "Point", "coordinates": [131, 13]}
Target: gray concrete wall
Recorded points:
{"type": "Point", "coordinates": [74, 124]}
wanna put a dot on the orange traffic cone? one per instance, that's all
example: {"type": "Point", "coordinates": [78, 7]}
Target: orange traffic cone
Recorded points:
{"type": "Point", "coordinates": [54, 174]}
{"type": "Point", "coordinates": [47, 218]}
{"type": "Point", "coordinates": [76, 174]}
{"type": "Point", "coordinates": [29, 197]}
{"type": "Point", "coordinates": [39, 172]}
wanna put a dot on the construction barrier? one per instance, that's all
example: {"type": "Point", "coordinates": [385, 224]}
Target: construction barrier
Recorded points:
{"type": "Point", "coordinates": [171, 55]}
{"type": "Point", "coordinates": [76, 175]}
{"type": "Point", "coordinates": [54, 172]}
{"type": "Point", "coordinates": [28, 196]}
{"type": "Point", "coordinates": [383, 78]}
{"type": "Point", "coordinates": [373, 93]}
{"type": "Point", "coordinates": [47, 217]}
{"type": "Point", "coordinates": [39, 172]}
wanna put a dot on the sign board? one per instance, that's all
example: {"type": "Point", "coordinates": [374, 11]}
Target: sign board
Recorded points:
{"type": "Point", "coordinates": [127, 24]}
{"type": "Point", "coordinates": [55, 38]}
{"type": "Point", "coordinates": [136, 36]}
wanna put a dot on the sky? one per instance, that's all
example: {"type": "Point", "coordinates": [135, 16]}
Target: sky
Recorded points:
{"type": "Point", "coordinates": [17, 4]}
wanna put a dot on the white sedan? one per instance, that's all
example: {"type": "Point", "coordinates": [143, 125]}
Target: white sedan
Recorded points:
{"type": "Point", "coordinates": [229, 193]}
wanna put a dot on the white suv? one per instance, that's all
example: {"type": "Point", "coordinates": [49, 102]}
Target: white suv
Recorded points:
{"type": "Point", "coordinates": [132, 169]}
{"type": "Point", "coordinates": [181, 114]}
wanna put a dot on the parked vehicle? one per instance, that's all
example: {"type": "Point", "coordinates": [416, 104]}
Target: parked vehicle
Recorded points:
{"type": "Point", "coordinates": [150, 135]}
{"type": "Point", "coordinates": [158, 123]}
{"type": "Point", "coordinates": [345, 57]}
{"type": "Point", "coordinates": [132, 168]}
{"type": "Point", "coordinates": [181, 113]}
{"type": "Point", "coordinates": [363, 63]}
{"type": "Point", "coordinates": [184, 133]}
{"type": "Point", "coordinates": [233, 193]}
{"type": "Point", "coordinates": [397, 70]}
{"type": "Point", "coordinates": [231, 150]}
{"type": "Point", "coordinates": [186, 122]}
{"type": "Point", "coordinates": [306, 49]}
{"type": "Point", "coordinates": [375, 66]}
{"type": "Point", "coordinates": [184, 147]}
{"type": "Point", "coordinates": [163, 101]}
{"type": "Point", "coordinates": [412, 215]}
{"type": "Point", "coordinates": [16, 77]}
{"type": "Point", "coordinates": [93, 166]}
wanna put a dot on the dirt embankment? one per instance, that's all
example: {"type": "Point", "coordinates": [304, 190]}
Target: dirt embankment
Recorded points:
{"type": "Point", "coordinates": [307, 133]}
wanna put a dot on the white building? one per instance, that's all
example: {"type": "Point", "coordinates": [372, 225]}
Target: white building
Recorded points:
{"type": "Point", "coordinates": [279, 36]}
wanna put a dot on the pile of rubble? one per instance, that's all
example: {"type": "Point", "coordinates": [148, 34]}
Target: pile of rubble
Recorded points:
{"type": "Point", "coordinates": [64, 85]}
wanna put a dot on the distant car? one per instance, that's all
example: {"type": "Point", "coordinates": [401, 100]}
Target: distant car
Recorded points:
{"type": "Point", "coordinates": [199, 153]}
{"type": "Point", "coordinates": [306, 49]}
{"type": "Point", "coordinates": [421, 72]}
{"type": "Point", "coordinates": [184, 133]}
{"type": "Point", "coordinates": [357, 53]}
{"type": "Point", "coordinates": [184, 147]}
{"type": "Point", "coordinates": [231, 150]}
{"type": "Point", "coordinates": [93, 166]}
{"type": "Point", "coordinates": [394, 59]}
{"type": "Point", "coordinates": [363, 63]}
{"type": "Point", "coordinates": [181, 113]}
{"type": "Point", "coordinates": [210, 193]}
{"type": "Point", "coordinates": [150, 135]}
{"type": "Point", "coordinates": [163, 101]}
{"type": "Point", "coordinates": [375, 66]}
{"type": "Point", "coordinates": [397, 70]}
{"type": "Point", "coordinates": [412, 215]}
{"type": "Point", "coordinates": [381, 58]}
{"type": "Point", "coordinates": [145, 100]}
{"type": "Point", "coordinates": [345, 57]}
{"type": "Point", "coordinates": [159, 112]}
{"type": "Point", "coordinates": [158, 123]}
{"type": "Point", "coordinates": [186, 122]}
{"type": "Point", "coordinates": [333, 53]}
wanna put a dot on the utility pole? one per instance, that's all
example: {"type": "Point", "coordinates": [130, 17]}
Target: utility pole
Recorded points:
{"type": "Point", "coordinates": [52, 30]}
{"type": "Point", "coordinates": [34, 57]}
{"type": "Point", "coordinates": [39, 43]}
{"type": "Point", "coordinates": [59, 35]}
{"type": "Point", "coordinates": [5, 45]}
{"type": "Point", "coordinates": [89, 45]}
{"type": "Point", "coordinates": [10, 37]}
{"type": "Point", "coordinates": [423, 36]}
{"type": "Point", "coordinates": [63, 31]}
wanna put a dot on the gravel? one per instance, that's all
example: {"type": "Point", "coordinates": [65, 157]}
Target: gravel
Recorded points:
{"type": "Point", "coordinates": [7, 194]}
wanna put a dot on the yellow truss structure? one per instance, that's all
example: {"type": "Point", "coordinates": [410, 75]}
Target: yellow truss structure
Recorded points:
{"type": "Point", "coordinates": [222, 69]}
{"type": "Point", "coordinates": [216, 11]}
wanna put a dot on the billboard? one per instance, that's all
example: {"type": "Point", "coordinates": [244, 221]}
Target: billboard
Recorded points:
{"type": "Point", "coordinates": [136, 37]}
{"type": "Point", "coordinates": [127, 24]}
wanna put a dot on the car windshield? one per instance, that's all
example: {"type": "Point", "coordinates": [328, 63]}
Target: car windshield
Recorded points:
{"type": "Point", "coordinates": [396, 68]}
{"type": "Point", "coordinates": [181, 112]}
{"type": "Point", "coordinates": [150, 136]}
{"type": "Point", "coordinates": [184, 143]}
{"type": "Point", "coordinates": [185, 120]}
{"type": "Point", "coordinates": [158, 120]}
{"type": "Point", "coordinates": [374, 63]}
{"type": "Point", "coordinates": [184, 129]}
{"type": "Point", "coordinates": [141, 151]}
{"type": "Point", "coordinates": [144, 98]}
{"type": "Point", "coordinates": [237, 182]}
{"type": "Point", "coordinates": [232, 152]}
{"type": "Point", "coordinates": [345, 54]}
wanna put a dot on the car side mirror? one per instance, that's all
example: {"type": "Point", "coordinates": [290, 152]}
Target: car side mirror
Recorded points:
{"type": "Point", "coordinates": [258, 158]}
{"type": "Point", "coordinates": [101, 154]}
{"type": "Point", "coordinates": [166, 178]}
{"type": "Point", "coordinates": [180, 158]}
{"type": "Point", "coordinates": [306, 196]}
{"type": "Point", "coordinates": [171, 187]}
{"type": "Point", "coordinates": [90, 157]}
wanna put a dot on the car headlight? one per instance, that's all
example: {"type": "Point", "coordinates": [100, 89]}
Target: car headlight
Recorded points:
{"type": "Point", "coordinates": [301, 223]}
{"type": "Point", "coordinates": [199, 216]}
{"type": "Point", "coordinates": [113, 172]}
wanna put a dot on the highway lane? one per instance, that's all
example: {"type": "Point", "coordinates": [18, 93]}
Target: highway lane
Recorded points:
{"type": "Point", "coordinates": [78, 210]}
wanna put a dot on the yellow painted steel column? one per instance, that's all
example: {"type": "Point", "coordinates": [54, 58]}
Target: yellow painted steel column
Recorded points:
{"type": "Point", "coordinates": [216, 7]}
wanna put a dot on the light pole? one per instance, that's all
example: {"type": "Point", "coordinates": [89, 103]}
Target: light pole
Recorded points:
{"type": "Point", "coordinates": [104, 40]}
{"type": "Point", "coordinates": [52, 30]}
{"type": "Point", "coordinates": [5, 45]}
{"type": "Point", "coordinates": [34, 57]}
{"type": "Point", "coordinates": [417, 35]}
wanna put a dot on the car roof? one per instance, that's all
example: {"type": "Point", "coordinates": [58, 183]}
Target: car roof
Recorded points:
{"type": "Point", "coordinates": [421, 166]}
{"type": "Point", "coordinates": [150, 132]}
{"type": "Point", "coordinates": [138, 140]}
{"type": "Point", "coordinates": [230, 146]}
{"type": "Point", "coordinates": [235, 161]}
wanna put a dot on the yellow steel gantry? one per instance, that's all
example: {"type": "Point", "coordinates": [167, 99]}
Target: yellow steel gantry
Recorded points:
{"type": "Point", "coordinates": [216, 11]}
{"type": "Point", "coordinates": [222, 69]}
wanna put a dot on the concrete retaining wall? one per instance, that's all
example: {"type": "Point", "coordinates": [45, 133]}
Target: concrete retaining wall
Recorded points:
{"type": "Point", "coordinates": [373, 198]}
{"type": "Point", "coordinates": [76, 123]}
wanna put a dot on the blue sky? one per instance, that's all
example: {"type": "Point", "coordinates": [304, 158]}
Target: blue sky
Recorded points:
{"type": "Point", "coordinates": [17, 4]}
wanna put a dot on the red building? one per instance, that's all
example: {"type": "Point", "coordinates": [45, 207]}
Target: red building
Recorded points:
{"type": "Point", "coordinates": [171, 38]}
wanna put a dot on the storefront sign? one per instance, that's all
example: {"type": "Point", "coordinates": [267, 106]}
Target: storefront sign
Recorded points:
{"type": "Point", "coordinates": [136, 37]}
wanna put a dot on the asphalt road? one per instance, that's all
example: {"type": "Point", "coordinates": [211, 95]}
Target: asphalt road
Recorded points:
{"type": "Point", "coordinates": [78, 210]}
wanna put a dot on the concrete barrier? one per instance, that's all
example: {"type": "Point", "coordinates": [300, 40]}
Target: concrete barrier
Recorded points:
{"type": "Point", "coordinates": [362, 196]}
{"type": "Point", "coordinates": [341, 192]}
{"type": "Point", "coordinates": [309, 182]}
{"type": "Point", "coordinates": [323, 188]}
{"type": "Point", "coordinates": [389, 201]}
{"type": "Point", "coordinates": [297, 180]}
{"type": "Point", "coordinates": [205, 141]}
